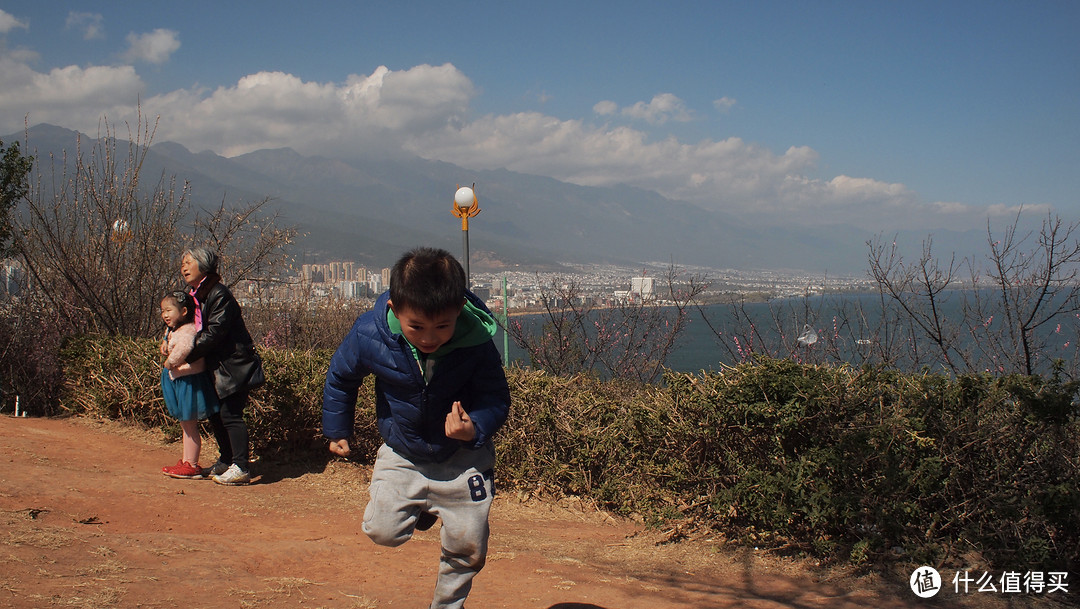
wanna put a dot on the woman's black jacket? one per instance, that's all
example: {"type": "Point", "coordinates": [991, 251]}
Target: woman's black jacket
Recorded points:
{"type": "Point", "coordinates": [225, 343]}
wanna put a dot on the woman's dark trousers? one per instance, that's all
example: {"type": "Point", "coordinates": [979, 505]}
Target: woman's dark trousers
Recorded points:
{"type": "Point", "coordinates": [231, 431]}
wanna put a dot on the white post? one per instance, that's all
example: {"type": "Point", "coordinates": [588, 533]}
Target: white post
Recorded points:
{"type": "Point", "coordinates": [16, 405]}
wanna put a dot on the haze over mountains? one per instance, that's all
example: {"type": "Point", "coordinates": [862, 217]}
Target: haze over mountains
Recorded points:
{"type": "Point", "coordinates": [371, 209]}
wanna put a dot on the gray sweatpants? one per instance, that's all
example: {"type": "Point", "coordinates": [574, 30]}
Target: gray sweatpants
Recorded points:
{"type": "Point", "coordinates": [458, 491]}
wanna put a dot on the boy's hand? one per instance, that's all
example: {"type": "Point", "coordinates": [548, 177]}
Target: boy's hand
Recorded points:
{"type": "Point", "coordinates": [164, 347]}
{"type": "Point", "coordinates": [458, 424]}
{"type": "Point", "coordinates": [340, 447]}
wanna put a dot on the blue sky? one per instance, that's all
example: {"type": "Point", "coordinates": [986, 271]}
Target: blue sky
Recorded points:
{"type": "Point", "coordinates": [883, 114]}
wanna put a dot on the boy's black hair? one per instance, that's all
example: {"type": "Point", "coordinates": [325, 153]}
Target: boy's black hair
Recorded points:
{"type": "Point", "coordinates": [183, 301]}
{"type": "Point", "coordinates": [427, 280]}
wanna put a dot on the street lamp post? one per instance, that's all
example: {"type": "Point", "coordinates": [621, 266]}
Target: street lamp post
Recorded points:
{"type": "Point", "coordinates": [465, 207]}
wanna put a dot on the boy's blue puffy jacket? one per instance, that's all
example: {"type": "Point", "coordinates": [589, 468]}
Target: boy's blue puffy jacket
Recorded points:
{"type": "Point", "coordinates": [411, 412]}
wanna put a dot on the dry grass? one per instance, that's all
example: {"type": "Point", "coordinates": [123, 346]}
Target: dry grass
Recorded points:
{"type": "Point", "coordinates": [45, 539]}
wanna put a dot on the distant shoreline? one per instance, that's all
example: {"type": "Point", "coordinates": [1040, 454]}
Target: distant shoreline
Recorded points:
{"type": "Point", "coordinates": [751, 298]}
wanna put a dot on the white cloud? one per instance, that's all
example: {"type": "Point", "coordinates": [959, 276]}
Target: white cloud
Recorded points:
{"type": "Point", "coordinates": [9, 22]}
{"type": "Point", "coordinates": [1000, 209]}
{"type": "Point", "coordinates": [730, 172]}
{"type": "Point", "coordinates": [659, 110]}
{"type": "Point", "coordinates": [155, 47]}
{"type": "Point", "coordinates": [425, 110]}
{"type": "Point", "coordinates": [951, 207]}
{"type": "Point", "coordinates": [92, 25]}
{"type": "Point", "coordinates": [729, 175]}
{"type": "Point", "coordinates": [862, 189]}
{"type": "Point", "coordinates": [70, 96]}
{"type": "Point", "coordinates": [606, 107]}
{"type": "Point", "coordinates": [262, 110]}
{"type": "Point", "coordinates": [274, 109]}
{"type": "Point", "coordinates": [724, 103]}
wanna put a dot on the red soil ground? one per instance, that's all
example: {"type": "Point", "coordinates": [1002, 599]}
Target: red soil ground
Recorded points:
{"type": "Point", "coordinates": [87, 520]}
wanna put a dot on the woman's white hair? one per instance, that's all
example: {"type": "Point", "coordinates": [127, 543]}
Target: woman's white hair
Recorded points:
{"type": "Point", "coordinates": [206, 259]}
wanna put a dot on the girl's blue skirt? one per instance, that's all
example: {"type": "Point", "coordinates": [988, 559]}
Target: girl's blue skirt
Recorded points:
{"type": "Point", "coordinates": [189, 398]}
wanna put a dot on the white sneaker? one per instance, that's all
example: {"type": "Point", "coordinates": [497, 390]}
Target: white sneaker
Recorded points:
{"type": "Point", "coordinates": [234, 476]}
{"type": "Point", "coordinates": [216, 469]}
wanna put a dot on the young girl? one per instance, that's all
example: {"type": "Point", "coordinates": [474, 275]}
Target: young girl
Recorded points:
{"type": "Point", "coordinates": [188, 390]}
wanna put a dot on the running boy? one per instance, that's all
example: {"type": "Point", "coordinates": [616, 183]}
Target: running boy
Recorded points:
{"type": "Point", "coordinates": [441, 395]}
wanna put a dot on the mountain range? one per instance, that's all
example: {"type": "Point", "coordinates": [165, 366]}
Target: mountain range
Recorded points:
{"type": "Point", "coordinates": [370, 209]}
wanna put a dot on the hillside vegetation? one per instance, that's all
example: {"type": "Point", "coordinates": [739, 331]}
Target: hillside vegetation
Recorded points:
{"type": "Point", "coordinates": [854, 465]}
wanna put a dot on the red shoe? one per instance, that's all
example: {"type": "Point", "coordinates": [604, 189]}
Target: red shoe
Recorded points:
{"type": "Point", "coordinates": [184, 470]}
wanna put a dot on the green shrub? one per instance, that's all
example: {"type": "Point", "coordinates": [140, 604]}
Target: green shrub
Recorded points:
{"type": "Point", "coordinates": [283, 411]}
{"type": "Point", "coordinates": [114, 377]}
{"type": "Point", "coordinates": [286, 414]}
{"type": "Point", "coordinates": [120, 378]}
{"type": "Point", "coordinates": [845, 463]}
{"type": "Point", "coordinates": [870, 460]}
{"type": "Point", "coordinates": [584, 437]}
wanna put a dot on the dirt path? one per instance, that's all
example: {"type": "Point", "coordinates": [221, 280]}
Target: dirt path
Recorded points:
{"type": "Point", "coordinates": [87, 520]}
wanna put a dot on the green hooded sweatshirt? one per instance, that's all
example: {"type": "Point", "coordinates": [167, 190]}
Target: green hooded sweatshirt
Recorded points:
{"type": "Point", "coordinates": [474, 326]}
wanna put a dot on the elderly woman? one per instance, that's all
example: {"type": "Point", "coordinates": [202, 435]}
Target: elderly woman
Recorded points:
{"type": "Point", "coordinates": [230, 354]}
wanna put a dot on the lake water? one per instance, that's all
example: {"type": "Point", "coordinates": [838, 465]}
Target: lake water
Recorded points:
{"type": "Point", "coordinates": [848, 328]}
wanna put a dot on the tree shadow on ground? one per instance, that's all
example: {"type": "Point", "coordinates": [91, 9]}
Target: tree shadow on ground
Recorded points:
{"type": "Point", "coordinates": [750, 582]}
